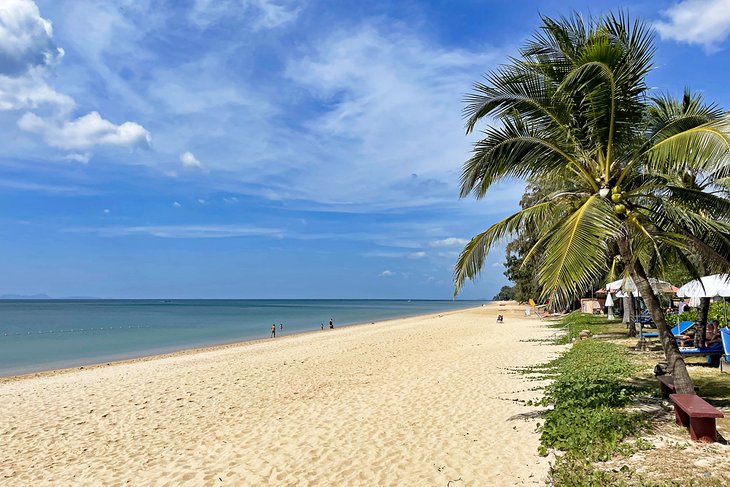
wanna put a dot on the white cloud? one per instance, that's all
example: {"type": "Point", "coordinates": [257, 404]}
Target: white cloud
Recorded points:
{"type": "Point", "coordinates": [188, 160]}
{"type": "Point", "coordinates": [232, 200]}
{"type": "Point", "coordinates": [448, 242]}
{"type": "Point", "coordinates": [27, 52]}
{"type": "Point", "coordinates": [386, 273]}
{"type": "Point", "coordinates": [82, 157]}
{"type": "Point", "coordinates": [416, 255]}
{"type": "Point", "coordinates": [175, 204]}
{"type": "Point", "coordinates": [498, 264]}
{"type": "Point", "coordinates": [201, 201]}
{"type": "Point", "coordinates": [85, 132]}
{"type": "Point", "coordinates": [259, 14]}
{"type": "Point", "coordinates": [26, 38]}
{"type": "Point", "coordinates": [181, 231]}
{"type": "Point", "coordinates": [703, 22]}
{"type": "Point", "coordinates": [46, 188]}
{"type": "Point", "coordinates": [107, 211]}
{"type": "Point", "coordinates": [27, 56]}
{"type": "Point", "coordinates": [30, 90]}
{"type": "Point", "coordinates": [392, 122]}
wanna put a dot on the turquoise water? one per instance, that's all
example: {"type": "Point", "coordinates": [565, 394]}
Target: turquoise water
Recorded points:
{"type": "Point", "coordinates": [51, 334]}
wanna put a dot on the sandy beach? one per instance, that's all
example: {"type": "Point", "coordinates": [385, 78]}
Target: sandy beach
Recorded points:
{"type": "Point", "coordinates": [408, 402]}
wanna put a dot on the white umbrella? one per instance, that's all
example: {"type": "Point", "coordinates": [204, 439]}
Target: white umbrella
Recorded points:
{"type": "Point", "coordinates": [706, 287]}
{"type": "Point", "coordinates": [625, 286]}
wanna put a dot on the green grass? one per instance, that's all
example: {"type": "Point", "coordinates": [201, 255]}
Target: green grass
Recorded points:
{"type": "Point", "coordinates": [576, 322]}
{"type": "Point", "coordinates": [587, 421]}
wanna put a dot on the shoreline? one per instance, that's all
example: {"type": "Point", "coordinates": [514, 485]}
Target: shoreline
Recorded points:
{"type": "Point", "coordinates": [410, 401]}
{"type": "Point", "coordinates": [204, 349]}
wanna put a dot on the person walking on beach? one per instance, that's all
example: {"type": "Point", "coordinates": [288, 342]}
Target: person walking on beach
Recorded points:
{"type": "Point", "coordinates": [332, 324]}
{"type": "Point", "coordinates": [321, 326]}
{"type": "Point", "coordinates": [273, 330]}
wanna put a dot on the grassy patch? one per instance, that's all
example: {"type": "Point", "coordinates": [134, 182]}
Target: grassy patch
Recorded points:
{"type": "Point", "coordinates": [576, 322]}
{"type": "Point", "coordinates": [588, 421]}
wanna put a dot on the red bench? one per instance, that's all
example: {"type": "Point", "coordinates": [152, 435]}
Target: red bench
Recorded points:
{"type": "Point", "coordinates": [693, 411]}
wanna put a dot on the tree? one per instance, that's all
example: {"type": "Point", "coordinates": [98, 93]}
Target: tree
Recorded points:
{"type": "Point", "coordinates": [573, 113]}
{"type": "Point", "coordinates": [507, 293]}
{"type": "Point", "coordinates": [524, 274]}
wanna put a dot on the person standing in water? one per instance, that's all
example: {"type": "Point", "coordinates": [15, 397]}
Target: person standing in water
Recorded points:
{"type": "Point", "coordinates": [321, 326]}
{"type": "Point", "coordinates": [332, 324]}
{"type": "Point", "coordinates": [281, 327]}
{"type": "Point", "coordinates": [273, 330]}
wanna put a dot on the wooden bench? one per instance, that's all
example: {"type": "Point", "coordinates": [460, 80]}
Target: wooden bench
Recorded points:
{"type": "Point", "coordinates": [666, 382]}
{"type": "Point", "coordinates": [693, 411]}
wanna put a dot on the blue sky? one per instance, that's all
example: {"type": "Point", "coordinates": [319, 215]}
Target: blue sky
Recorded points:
{"type": "Point", "coordinates": [267, 148]}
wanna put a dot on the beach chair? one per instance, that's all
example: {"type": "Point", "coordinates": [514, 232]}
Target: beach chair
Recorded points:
{"type": "Point", "coordinates": [713, 353]}
{"type": "Point", "coordinates": [677, 330]}
{"type": "Point", "coordinates": [537, 309]}
{"type": "Point", "coordinates": [725, 336]}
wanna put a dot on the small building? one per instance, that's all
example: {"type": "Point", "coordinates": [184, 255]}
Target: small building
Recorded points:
{"type": "Point", "coordinates": [592, 306]}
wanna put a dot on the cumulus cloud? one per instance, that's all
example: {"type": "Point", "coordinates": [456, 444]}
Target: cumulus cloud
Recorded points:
{"type": "Point", "coordinates": [27, 52]}
{"type": "Point", "coordinates": [386, 273]}
{"type": "Point", "coordinates": [175, 204]}
{"type": "Point", "coordinates": [416, 255]}
{"type": "Point", "coordinates": [86, 131]}
{"type": "Point", "coordinates": [26, 38]}
{"type": "Point", "coordinates": [27, 55]}
{"type": "Point", "coordinates": [188, 160]}
{"type": "Point", "coordinates": [703, 22]}
{"type": "Point", "coordinates": [448, 242]}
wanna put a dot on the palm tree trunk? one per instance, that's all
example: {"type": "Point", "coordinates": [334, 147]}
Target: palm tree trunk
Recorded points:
{"type": "Point", "coordinates": [675, 362]}
{"type": "Point", "coordinates": [702, 311]}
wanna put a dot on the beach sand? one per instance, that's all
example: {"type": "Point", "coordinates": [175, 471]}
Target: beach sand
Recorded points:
{"type": "Point", "coordinates": [408, 402]}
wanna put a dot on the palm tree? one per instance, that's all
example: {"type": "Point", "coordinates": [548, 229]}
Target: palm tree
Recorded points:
{"type": "Point", "coordinates": [573, 113]}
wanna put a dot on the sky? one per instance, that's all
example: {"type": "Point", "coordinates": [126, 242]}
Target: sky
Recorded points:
{"type": "Point", "coordinates": [269, 148]}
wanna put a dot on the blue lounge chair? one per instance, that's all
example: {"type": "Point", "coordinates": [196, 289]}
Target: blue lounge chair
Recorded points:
{"type": "Point", "coordinates": [713, 352]}
{"type": "Point", "coordinates": [714, 349]}
{"type": "Point", "coordinates": [677, 330]}
{"type": "Point", "coordinates": [725, 335]}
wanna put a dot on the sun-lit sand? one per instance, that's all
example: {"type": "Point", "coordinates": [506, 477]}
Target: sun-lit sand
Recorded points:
{"type": "Point", "coordinates": [409, 402]}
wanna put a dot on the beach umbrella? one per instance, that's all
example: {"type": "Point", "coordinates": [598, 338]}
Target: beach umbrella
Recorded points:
{"type": "Point", "coordinates": [707, 287]}
{"type": "Point", "coordinates": [627, 286]}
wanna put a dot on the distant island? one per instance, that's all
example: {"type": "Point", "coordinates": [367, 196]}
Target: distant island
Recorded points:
{"type": "Point", "coordinates": [41, 296]}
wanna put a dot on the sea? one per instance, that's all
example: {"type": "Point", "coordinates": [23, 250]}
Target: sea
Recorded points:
{"type": "Point", "coordinates": [37, 335]}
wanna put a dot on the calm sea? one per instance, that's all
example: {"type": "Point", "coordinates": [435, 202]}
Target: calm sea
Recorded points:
{"type": "Point", "coordinates": [51, 334]}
